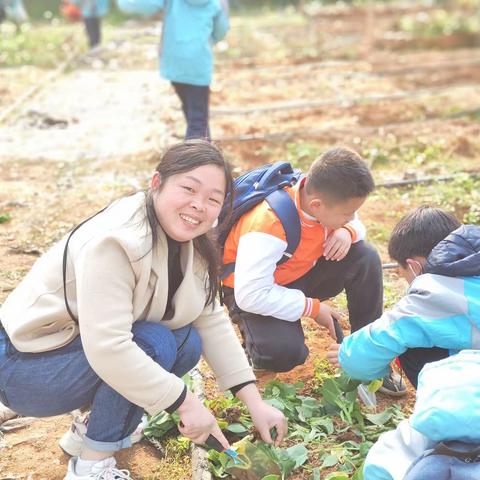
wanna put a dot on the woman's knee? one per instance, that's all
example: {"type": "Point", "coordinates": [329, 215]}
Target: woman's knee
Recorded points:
{"type": "Point", "coordinates": [189, 350]}
{"type": "Point", "coordinates": [157, 341]}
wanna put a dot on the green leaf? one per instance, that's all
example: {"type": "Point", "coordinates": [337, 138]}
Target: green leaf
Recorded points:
{"type": "Point", "coordinates": [159, 425]}
{"type": "Point", "coordinates": [271, 477]}
{"type": "Point", "coordinates": [330, 391]}
{"type": "Point", "coordinates": [298, 453]}
{"type": "Point", "coordinates": [330, 461]}
{"type": "Point", "coordinates": [337, 476]}
{"type": "Point", "coordinates": [316, 474]}
{"type": "Point", "coordinates": [358, 475]}
{"type": "Point", "coordinates": [5, 217]}
{"type": "Point", "coordinates": [374, 385]}
{"type": "Point", "coordinates": [274, 402]}
{"type": "Point", "coordinates": [380, 418]}
{"type": "Point", "coordinates": [237, 428]}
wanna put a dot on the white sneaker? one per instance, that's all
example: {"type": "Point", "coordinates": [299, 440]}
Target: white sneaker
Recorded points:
{"type": "Point", "coordinates": [103, 470]}
{"type": "Point", "coordinates": [72, 440]}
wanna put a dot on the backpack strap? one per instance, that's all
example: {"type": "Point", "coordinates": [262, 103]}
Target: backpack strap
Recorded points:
{"type": "Point", "coordinates": [469, 456]}
{"type": "Point", "coordinates": [286, 211]}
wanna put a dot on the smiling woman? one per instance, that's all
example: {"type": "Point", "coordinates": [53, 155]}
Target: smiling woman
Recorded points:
{"type": "Point", "coordinates": [141, 282]}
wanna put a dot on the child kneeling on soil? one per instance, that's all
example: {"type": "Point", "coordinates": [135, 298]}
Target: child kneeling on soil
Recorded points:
{"type": "Point", "coordinates": [132, 311]}
{"type": "Point", "coordinates": [441, 440]}
{"type": "Point", "coordinates": [267, 299]}
{"type": "Point", "coordinates": [441, 310]}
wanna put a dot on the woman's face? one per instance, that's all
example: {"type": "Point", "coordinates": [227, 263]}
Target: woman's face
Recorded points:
{"type": "Point", "coordinates": [188, 203]}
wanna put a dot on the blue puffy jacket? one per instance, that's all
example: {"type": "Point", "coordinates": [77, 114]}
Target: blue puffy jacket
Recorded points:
{"type": "Point", "coordinates": [441, 309]}
{"type": "Point", "coordinates": [190, 28]}
{"type": "Point", "coordinates": [446, 410]}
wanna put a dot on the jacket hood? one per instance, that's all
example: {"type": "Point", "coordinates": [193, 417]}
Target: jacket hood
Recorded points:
{"type": "Point", "coordinates": [458, 255]}
{"type": "Point", "coordinates": [197, 2]}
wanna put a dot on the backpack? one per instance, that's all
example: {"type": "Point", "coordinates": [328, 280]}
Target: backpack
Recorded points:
{"type": "Point", "coordinates": [447, 461]}
{"type": "Point", "coordinates": [251, 188]}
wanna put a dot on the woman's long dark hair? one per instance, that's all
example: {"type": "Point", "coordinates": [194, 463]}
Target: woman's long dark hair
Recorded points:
{"type": "Point", "coordinates": [181, 158]}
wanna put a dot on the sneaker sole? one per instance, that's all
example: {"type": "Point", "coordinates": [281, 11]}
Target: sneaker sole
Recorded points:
{"type": "Point", "coordinates": [391, 393]}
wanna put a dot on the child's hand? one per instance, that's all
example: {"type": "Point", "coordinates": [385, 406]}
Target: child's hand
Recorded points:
{"type": "Point", "coordinates": [337, 245]}
{"type": "Point", "coordinates": [325, 318]}
{"type": "Point", "coordinates": [332, 355]}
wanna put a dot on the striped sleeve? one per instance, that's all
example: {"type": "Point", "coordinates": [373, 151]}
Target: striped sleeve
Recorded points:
{"type": "Point", "coordinates": [255, 287]}
{"type": "Point", "coordinates": [356, 229]}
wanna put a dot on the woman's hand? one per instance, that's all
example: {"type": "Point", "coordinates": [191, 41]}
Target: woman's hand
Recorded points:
{"type": "Point", "coordinates": [325, 318]}
{"type": "Point", "coordinates": [264, 416]}
{"type": "Point", "coordinates": [337, 245]}
{"type": "Point", "coordinates": [197, 421]}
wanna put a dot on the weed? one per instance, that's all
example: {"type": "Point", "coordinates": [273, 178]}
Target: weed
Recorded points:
{"type": "Point", "coordinates": [439, 22]}
{"type": "Point", "coordinates": [42, 46]}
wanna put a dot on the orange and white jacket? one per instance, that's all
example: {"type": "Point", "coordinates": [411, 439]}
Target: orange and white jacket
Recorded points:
{"type": "Point", "coordinates": [257, 242]}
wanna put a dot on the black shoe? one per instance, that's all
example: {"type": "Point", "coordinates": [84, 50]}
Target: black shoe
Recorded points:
{"type": "Point", "coordinates": [393, 385]}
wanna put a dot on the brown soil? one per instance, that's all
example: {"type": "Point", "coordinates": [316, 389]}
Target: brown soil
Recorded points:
{"type": "Point", "coordinates": [52, 175]}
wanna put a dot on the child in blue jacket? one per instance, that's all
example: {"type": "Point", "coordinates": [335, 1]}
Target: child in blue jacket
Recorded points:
{"type": "Point", "coordinates": [14, 10]}
{"type": "Point", "coordinates": [190, 28]}
{"type": "Point", "coordinates": [441, 440]}
{"type": "Point", "coordinates": [440, 313]}
{"type": "Point", "coordinates": [92, 13]}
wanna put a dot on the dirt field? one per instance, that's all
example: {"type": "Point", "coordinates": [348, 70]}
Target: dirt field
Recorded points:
{"type": "Point", "coordinates": [287, 85]}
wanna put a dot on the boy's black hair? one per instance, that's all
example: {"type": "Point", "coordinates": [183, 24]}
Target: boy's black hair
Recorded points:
{"type": "Point", "coordinates": [419, 231]}
{"type": "Point", "coordinates": [340, 174]}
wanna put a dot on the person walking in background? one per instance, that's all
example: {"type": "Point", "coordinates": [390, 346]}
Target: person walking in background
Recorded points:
{"type": "Point", "coordinates": [91, 12]}
{"type": "Point", "coordinates": [13, 10]}
{"type": "Point", "coordinates": [190, 28]}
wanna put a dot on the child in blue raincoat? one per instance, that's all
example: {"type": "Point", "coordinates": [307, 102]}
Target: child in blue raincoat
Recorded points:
{"type": "Point", "coordinates": [13, 10]}
{"type": "Point", "coordinates": [92, 13]}
{"type": "Point", "coordinates": [440, 313]}
{"type": "Point", "coordinates": [441, 440]}
{"type": "Point", "coordinates": [190, 28]}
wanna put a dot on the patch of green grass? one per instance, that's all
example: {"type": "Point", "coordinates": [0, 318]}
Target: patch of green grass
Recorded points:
{"type": "Point", "coordinates": [460, 196]}
{"type": "Point", "coordinates": [378, 232]}
{"type": "Point", "coordinates": [5, 217]}
{"type": "Point", "coordinates": [301, 154]}
{"type": "Point", "coordinates": [419, 154]}
{"type": "Point", "coordinates": [439, 22]}
{"type": "Point", "coordinates": [43, 46]}
{"type": "Point", "coordinates": [394, 288]}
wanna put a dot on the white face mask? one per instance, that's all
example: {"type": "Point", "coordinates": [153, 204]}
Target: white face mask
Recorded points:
{"type": "Point", "coordinates": [420, 266]}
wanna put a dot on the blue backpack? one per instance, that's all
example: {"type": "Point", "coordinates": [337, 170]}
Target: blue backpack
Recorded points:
{"type": "Point", "coordinates": [251, 188]}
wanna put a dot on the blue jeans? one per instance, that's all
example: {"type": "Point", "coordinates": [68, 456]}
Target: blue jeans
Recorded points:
{"type": "Point", "coordinates": [56, 382]}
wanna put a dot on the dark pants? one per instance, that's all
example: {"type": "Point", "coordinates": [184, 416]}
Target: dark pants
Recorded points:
{"type": "Point", "coordinates": [414, 359]}
{"type": "Point", "coordinates": [279, 345]}
{"type": "Point", "coordinates": [195, 100]}
{"type": "Point", "coordinates": [93, 30]}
